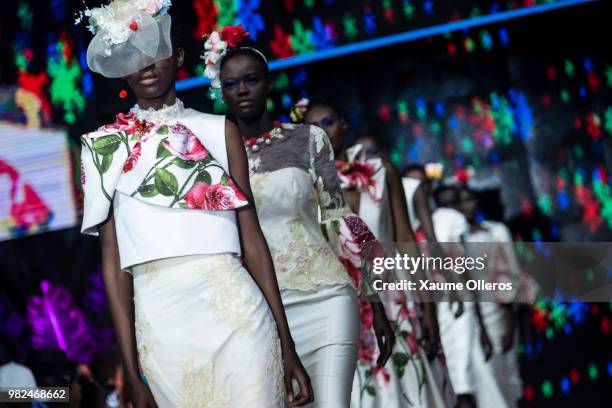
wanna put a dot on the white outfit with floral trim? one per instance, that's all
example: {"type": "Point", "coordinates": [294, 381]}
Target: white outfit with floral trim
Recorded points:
{"type": "Point", "coordinates": [408, 379]}
{"type": "Point", "coordinates": [457, 335]}
{"type": "Point", "coordinates": [204, 331]}
{"type": "Point", "coordinates": [497, 381]}
{"type": "Point", "coordinates": [294, 180]}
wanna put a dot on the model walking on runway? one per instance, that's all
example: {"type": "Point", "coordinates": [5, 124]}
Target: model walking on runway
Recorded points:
{"type": "Point", "coordinates": [167, 190]}
{"type": "Point", "coordinates": [373, 189]}
{"type": "Point", "coordinates": [297, 191]}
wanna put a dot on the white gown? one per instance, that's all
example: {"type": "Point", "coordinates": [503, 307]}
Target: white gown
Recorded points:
{"type": "Point", "coordinates": [293, 179]}
{"type": "Point", "coordinates": [408, 379]}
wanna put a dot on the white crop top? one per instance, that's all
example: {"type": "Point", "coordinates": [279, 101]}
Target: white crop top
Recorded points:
{"type": "Point", "coordinates": [168, 181]}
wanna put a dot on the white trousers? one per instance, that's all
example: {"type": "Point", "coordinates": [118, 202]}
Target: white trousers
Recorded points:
{"type": "Point", "coordinates": [494, 383]}
{"type": "Point", "coordinates": [325, 327]}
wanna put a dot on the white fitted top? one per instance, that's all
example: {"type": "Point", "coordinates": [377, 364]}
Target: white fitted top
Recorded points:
{"type": "Point", "coordinates": [152, 225]}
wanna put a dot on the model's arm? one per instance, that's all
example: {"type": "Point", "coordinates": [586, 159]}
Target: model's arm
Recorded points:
{"type": "Point", "coordinates": [259, 263]}
{"type": "Point", "coordinates": [423, 213]}
{"type": "Point", "coordinates": [399, 211]}
{"type": "Point", "coordinates": [120, 293]}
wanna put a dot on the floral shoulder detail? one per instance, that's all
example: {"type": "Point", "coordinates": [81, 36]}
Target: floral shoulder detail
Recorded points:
{"type": "Point", "coordinates": [165, 165]}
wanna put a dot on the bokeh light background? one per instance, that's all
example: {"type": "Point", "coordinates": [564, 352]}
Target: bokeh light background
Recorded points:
{"type": "Point", "coordinates": [518, 91]}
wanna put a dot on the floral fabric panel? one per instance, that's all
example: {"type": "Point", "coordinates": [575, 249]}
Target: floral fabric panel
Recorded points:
{"type": "Point", "coordinates": [165, 165]}
{"type": "Point", "coordinates": [403, 379]}
{"type": "Point", "coordinates": [347, 235]}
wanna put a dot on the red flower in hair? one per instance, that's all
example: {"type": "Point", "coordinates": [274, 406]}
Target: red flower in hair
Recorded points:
{"type": "Point", "coordinates": [462, 176]}
{"type": "Point", "coordinates": [233, 36]}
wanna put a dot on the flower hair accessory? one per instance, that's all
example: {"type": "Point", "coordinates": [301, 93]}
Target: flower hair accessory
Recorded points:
{"type": "Point", "coordinates": [298, 112]}
{"type": "Point", "coordinates": [216, 46]}
{"type": "Point", "coordinates": [434, 171]}
{"type": "Point", "coordinates": [463, 176]}
{"type": "Point", "coordinates": [129, 35]}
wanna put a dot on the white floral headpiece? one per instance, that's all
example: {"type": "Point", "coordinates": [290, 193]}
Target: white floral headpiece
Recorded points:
{"type": "Point", "coordinates": [128, 35]}
{"type": "Point", "coordinates": [216, 46]}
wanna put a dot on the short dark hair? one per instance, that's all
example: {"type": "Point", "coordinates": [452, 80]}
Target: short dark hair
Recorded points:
{"type": "Point", "coordinates": [8, 351]}
{"type": "Point", "coordinates": [442, 189]}
{"type": "Point", "coordinates": [321, 100]}
{"type": "Point", "coordinates": [247, 52]}
{"type": "Point", "coordinates": [104, 365]}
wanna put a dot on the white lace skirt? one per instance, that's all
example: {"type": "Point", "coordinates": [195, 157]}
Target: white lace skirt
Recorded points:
{"type": "Point", "coordinates": [205, 334]}
{"type": "Point", "coordinates": [325, 327]}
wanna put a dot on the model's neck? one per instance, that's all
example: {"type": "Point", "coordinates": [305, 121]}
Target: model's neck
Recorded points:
{"type": "Point", "coordinates": [167, 99]}
{"type": "Point", "coordinates": [341, 155]}
{"type": "Point", "coordinates": [256, 127]}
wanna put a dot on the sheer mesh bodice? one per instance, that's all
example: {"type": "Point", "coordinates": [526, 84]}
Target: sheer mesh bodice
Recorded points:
{"type": "Point", "coordinates": [296, 187]}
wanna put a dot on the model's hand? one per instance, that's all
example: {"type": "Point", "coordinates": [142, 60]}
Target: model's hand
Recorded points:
{"type": "Point", "coordinates": [507, 341]}
{"type": "Point", "coordinates": [294, 370]}
{"type": "Point", "coordinates": [431, 333]}
{"type": "Point", "coordinates": [384, 334]}
{"type": "Point", "coordinates": [485, 341]}
{"type": "Point", "coordinates": [139, 395]}
{"type": "Point", "coordinates": [455, 298]}
{"type": "Point", "coordinates": [508, 337]}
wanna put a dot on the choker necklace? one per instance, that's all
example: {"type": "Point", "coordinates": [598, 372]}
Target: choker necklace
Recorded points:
{"type": "Point", "coordinates": [164, 115]}
{"type": "Point", "coordinates": [265, 139]}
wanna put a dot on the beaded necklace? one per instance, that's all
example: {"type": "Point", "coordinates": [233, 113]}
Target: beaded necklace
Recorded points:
{"type": "Point", "coordinates": [265, 139]}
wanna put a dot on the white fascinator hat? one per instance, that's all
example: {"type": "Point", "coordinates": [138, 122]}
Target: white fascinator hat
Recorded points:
{"type": "Point", "coordinates": [129, 35]}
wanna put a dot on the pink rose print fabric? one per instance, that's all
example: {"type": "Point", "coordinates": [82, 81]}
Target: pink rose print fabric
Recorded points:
{"type": "Point", "coordinates": [165, 165]}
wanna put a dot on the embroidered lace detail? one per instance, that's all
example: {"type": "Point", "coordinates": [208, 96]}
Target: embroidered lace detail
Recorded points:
{"type": "Point", "coordinates": [199, 388]}
{"type": "Point", "coordinates": [151, 272]}
{"type": "Point", "coordinates": [166, 114]}
{"type": "Point", "coordinates": [337, 213]}
{"type": "Point", "coordinates": [274, 368]}
{"type": "Point", "coordinates": [229, 295]}
{"type": "Point", "coordinates": [142, 329]}
{"type": "Point", "coordinates": [304, 265]}
{"type": "Point", "coordinates": [257, 184]}
{"type": "Point", "coordinates": [253, 166]}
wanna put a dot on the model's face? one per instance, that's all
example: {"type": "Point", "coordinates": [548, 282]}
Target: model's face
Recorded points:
{"type": "Point", "coordinates": [245, 87]}
{"type": "Point", "coordinates": [370, 146]}
{"type": "Point", "coordinates": [156, 80]}
{"type": "Point", "coordinates": [449, 198]}
{"type": "Point", "coordinates": [469, 204]}
{"type": "Point", "coordinates": [327, 119]}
